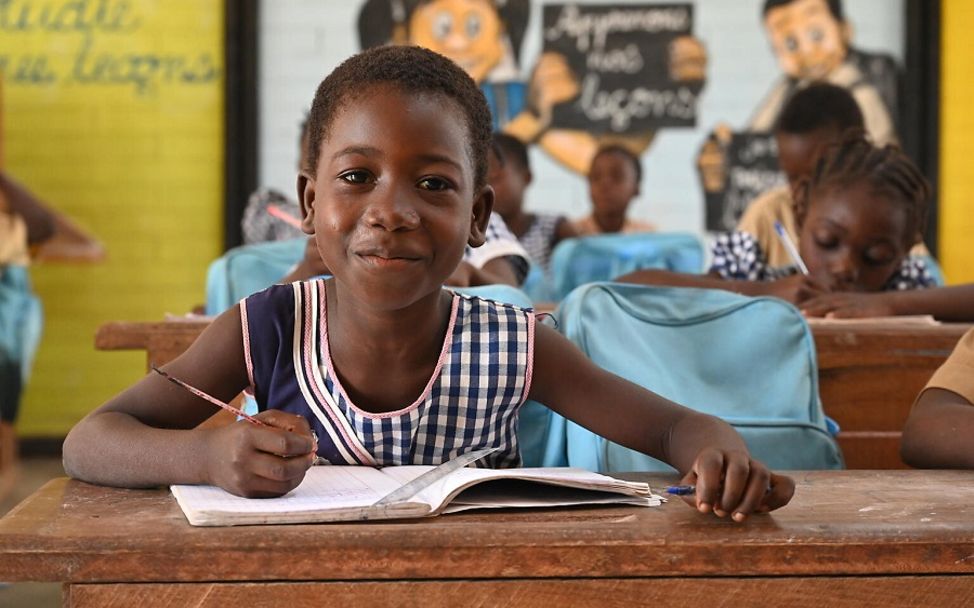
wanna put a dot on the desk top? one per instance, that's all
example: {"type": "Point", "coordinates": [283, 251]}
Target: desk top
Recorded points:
{"type": "Point", "coordinates": [839, 523]}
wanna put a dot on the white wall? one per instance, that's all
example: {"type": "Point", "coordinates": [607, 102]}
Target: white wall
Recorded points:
{"type": "Point", "coordinates": [302, 40]}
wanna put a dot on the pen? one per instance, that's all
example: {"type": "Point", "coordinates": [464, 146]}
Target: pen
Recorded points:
{"type": "Point", "coordinates": [689, 490]}
{"type": "Point", "coordinates": [209, 398]}
{"type": "Point", "coordinates": [790, 246]}
{"type": "Point", "coordinates": [283, 215]}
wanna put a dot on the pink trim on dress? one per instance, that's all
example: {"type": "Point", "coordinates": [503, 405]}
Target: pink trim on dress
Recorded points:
{"type": "Point", "coordinates": [245, 328]}
{"type": "Point", "coordinates": [444, 353]}
{"type": "Point", "coordinates": [530, 371]}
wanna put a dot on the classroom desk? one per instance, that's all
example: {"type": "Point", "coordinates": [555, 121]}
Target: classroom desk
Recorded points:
{"type": "Point", "coordinates": [869, 373]}
{"type": "Point", "coordinates": [849, 538]}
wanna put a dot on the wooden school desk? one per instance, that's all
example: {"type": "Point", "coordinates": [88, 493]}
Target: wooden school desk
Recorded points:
{"type": "Point", "coordinates": [849, 538]}
{"type": "Point", "coordinates": [869, 373]}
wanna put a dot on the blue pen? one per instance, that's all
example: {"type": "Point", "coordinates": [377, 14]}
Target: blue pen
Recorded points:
{"type": "Point", "coordinates": [790, 246]}
{"type": "Point", "coordinates": [681, 490]}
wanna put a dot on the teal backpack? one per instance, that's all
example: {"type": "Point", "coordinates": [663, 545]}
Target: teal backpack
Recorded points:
{"type": "Point", "coordinates": [750, 361]}
{"type": "Point", "coordinates": [604, 257]}
{"type": "Point", "coordinates": [248, 269]}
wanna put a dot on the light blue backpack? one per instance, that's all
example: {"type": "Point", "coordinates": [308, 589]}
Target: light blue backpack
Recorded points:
{"type": "Point", "coordinates": [248, 269]}
{"type": "Point", "coordinates": [604, 257]}
{"type": "Point", "coordinates": [750, 361]}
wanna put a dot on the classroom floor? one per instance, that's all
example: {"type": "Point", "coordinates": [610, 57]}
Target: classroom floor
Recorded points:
{"type": "Point", "coordinates": [33, 473]}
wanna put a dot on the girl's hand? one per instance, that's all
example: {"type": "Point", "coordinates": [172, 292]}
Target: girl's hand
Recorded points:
{"type": "Point", "coordinates": [849, 305]}
{"type": "Point", "coordinates": [731, 482]}
{"type": "Point", "coordinates": [795, 289]}
{"type": "Point", "coordinates": [260, 461]}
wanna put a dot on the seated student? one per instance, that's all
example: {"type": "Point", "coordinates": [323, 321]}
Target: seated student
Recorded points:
{"type": "Point", "coordinates": [613, 181]}
{"type": "Point", "coordinates": [509, 173]}
{"type": "Point", "coordinates": [858, 214]}
{"type": "Point", "coordinates": [939, 430]}
{"type": "Point", "coordinates": [811, 120]}
{"type": "Point", "coordinates": [259, 224]}
{"type": "Point", "coordinates": [382, 363]}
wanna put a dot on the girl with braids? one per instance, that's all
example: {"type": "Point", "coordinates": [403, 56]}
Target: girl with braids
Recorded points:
{"type": "Point", "coordinates": [858, 215]}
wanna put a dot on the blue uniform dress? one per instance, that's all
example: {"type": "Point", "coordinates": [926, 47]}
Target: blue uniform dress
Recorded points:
{"type": "Point", "coordinates": [471, 401]}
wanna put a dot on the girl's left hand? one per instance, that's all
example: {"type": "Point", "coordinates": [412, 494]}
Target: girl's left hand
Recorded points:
{"type": "Point", "coordinates": [848, 305]}
{"type": "Point", "coordinates": [731, 482]}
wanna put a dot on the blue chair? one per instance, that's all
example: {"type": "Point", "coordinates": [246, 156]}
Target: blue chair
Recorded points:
{"type": "Point", "coordinates": [750, 361]}
{"type": "Point", "coordinates": [248, 269]}
{"type": "Point", "coordinates": [604, 257]}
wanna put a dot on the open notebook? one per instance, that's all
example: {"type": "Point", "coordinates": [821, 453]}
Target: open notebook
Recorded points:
{"type": "Point", "coordinates": [350, 493]}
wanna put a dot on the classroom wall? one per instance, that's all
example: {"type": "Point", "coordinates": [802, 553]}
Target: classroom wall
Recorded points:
{"type": "Point", "coordinates": [302, 40]}
{"type": "Point", "coordinates": [957, 141]}
{"type": "Point", "coordinates": [114, 115]}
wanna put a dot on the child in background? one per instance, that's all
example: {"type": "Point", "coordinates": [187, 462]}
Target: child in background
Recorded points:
{"type": "Point", "coordinates": [939, 430]}
{"type": "Point", "coordinates": [858, 215]}
{"type": "Point", "coordinates": [509, 173]}
{"type": "Point", "coordinates": [386, 366]}
{"type": "Point", "coordinates": [258, 225]}
{"type": "Point", "coordinates": [613, 181]}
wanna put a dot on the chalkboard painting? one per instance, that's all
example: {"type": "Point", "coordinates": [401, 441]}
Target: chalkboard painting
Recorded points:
{"type": "Point", "coordinates": [620, 56]}
{"type": "Point", "coordinates": [750, 168]}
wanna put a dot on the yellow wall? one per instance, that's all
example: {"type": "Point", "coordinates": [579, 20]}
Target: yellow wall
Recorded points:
{"type": "Point", "coordinates": [114, 115]}
{"type": "Point", "coordinates": [957, 141]}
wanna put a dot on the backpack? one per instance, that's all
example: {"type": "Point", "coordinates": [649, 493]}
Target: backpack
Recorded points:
{"type": "Point", "coordinates": [248, 269]}
{"type": "Point", "coordinates": [604, 257]}
{"type": "Point", "coordinates": [750, 361]}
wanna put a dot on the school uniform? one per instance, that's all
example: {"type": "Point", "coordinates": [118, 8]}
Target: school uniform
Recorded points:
{"type": "Point", "coordinates": [539, 239]}
{"type": "Point", "coordinates": [957, 372]}
{"type": "Point", "coordinates": [471, 401]}
{"type": "Point", "coordinates": [499, 242]}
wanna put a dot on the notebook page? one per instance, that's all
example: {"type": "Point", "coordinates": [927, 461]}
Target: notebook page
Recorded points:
{"type": "Point", "coordinates": [324, 487]}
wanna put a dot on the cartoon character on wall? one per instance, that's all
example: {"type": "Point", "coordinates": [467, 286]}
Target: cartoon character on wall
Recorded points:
{"type": "Point", "coordinates": [482, 36]}
{"type": "Point", "coordinates": [811, 40]}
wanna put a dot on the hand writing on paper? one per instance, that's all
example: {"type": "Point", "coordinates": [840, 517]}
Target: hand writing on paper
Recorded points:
{"type": "Point", "coordinates": [731, 482]}
{"type": "Point", "coordinates": [260, 461]}
{"type": "Point", "coordinates": [849, 305]}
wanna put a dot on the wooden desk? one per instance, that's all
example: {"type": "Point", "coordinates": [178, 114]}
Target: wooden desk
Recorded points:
{"type": "Point", "coordinates": [869, 373]}
{"type": "Point", "coordinates": [849, 538]}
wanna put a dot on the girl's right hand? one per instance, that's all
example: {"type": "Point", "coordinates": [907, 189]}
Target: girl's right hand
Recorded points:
{"type": "Point", "coordinates": [260, 461]}
{"type": "Point", "coordinates": [795, 288]}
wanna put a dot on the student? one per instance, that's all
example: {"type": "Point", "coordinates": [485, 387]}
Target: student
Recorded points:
{"type": "Point", "coordinates": [613, 181]}
{"type": "Point", "coordinates": [858, 215]}
{"type": "Point", "coordinates": [381, 362]}
{"type": "Point", "coordinates": [509, 173]}
{"type": "Point", "coordinates": [941, 423]}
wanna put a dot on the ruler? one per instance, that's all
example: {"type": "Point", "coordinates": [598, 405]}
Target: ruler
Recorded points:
{"type": "Point", "coordinates": [432, 476]}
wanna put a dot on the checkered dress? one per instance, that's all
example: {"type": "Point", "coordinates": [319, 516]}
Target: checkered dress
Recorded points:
{"type": "Point", "coordinates": [472, 400]}
{"type": "Point", "coordinates": [738, 256]}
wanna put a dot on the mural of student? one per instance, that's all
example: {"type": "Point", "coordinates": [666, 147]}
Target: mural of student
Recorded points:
{"type": "Point", "coordinates": [812, 42]}
{"type": "Point", "coordinates": [482, 36]}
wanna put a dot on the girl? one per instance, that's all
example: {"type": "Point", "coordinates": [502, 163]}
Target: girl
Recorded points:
{"type": "Point", "coordinates": [380, 361]}
{"type": "Point", "coordinates": [613, 181]}
{"type": "Point", "coordinates": [858, 215]}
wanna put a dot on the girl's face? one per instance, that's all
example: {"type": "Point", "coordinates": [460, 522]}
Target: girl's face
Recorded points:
{"type": "Point", "coordinates": [853, 238]}
{"type": "Point", "coordinates": [393, 204]}
{"type": "Point", "coordinates": [467, 31]}
{"type": "Point", "coordinates": [612, 183]}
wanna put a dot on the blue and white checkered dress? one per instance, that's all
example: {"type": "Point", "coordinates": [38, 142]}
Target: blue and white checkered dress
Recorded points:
{"type": "Point", "coordinates": [471, 401]}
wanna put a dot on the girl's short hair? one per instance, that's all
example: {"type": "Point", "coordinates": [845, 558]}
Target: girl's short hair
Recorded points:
{"type": "Point", "coordinates": [410, 69]}
{"type": "Point", "coordinates": [886, 169]}
{"type": "Point", "coordinates": [626, 153]}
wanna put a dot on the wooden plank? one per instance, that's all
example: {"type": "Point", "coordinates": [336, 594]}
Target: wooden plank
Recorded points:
{"type": "Point", "coordinates": [795, 592]}
{"type": "Point", "coordinates": [840, 523]}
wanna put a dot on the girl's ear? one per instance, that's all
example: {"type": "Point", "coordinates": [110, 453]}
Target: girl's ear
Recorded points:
{"type": "Point", "coordinates": [483, 204]}
{"type": "Point", "coordinates": [306, 197]}
{"type": "Point", "coordinates": [799, 195]}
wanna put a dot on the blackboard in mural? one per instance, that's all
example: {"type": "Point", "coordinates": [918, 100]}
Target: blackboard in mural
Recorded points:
{"type": "Point", "coordinates": [620, 56]}
{"type": "Point", "coordinates": [750, 169]}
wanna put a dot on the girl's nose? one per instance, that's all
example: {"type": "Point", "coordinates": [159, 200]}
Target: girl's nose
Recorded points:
{"type": "Point", "coordinates": [844, 271]}
{"type": "Point", "coordinates": [391, 209]}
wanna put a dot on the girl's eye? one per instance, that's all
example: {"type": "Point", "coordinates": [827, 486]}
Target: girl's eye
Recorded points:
{"type": "Point", "coordinates": [434, 184]}
{"type": "Point", "coordinates": [879, 257]}
{"type": "Point", "coordinates": [826, 241]}
{"type": "Point", "coordinates": [354, 177]}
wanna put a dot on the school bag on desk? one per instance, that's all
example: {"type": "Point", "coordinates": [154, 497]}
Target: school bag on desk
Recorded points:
{"type": "Point", "coordinates": [749, 361]}
{"type": "Point", "coordinates": [604, 257]}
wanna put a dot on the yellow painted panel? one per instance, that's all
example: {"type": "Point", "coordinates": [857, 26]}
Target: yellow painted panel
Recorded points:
{"type": "Point", "coordinates": [957, 141]}
{"type": "Point", "coordinates": [114, 115]}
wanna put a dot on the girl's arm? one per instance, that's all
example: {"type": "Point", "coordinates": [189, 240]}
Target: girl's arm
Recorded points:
{"type": "Point", "coordinates": [145, 436]}
{"type": "Point", "coordinates": [945, 303]}
{"type": "Point", "coordinates": [938, 432]}
{"type": "Point", "coordinates": [706, 450]}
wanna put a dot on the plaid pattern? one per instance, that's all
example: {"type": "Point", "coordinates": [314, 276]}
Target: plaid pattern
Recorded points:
{"type": "Point", "coordinates": [499, 242]}
{"type": "Point", "coordinates": [471, 401]}
{"type": "Point", "coordinates": [738, 256]}
{"type": "Point", "coordinates": [539, 238]}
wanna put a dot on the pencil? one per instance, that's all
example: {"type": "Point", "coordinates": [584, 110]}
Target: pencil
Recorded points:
{"type": "Point", "coordinates": [209, 398]}
{"type": "Point", "coordinates": [790, 246]}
